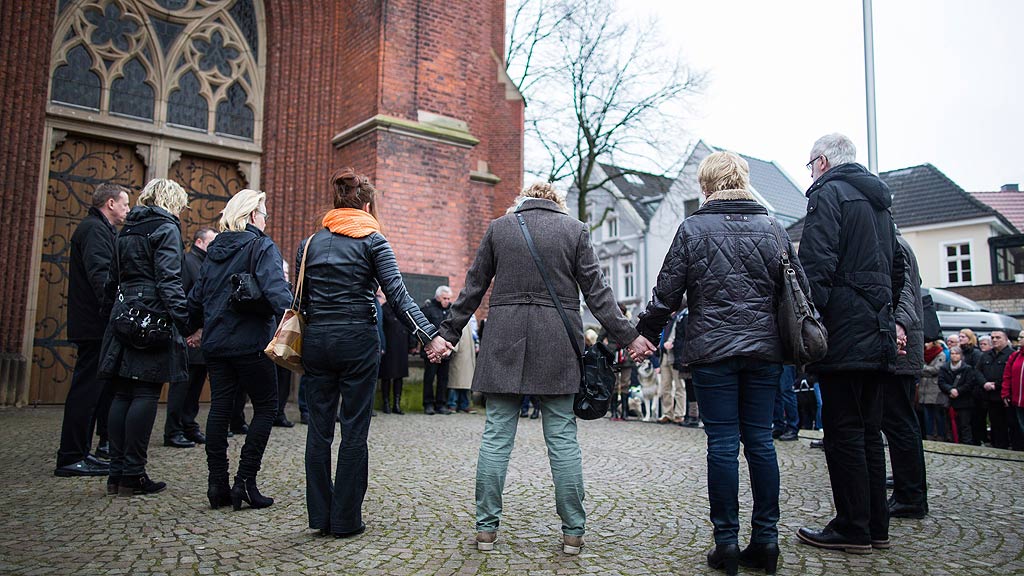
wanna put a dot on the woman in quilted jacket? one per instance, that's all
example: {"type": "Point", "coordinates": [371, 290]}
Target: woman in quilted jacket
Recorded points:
{"type": "Point", "coordinates": [726, 260]}
{"type": "Point", "coordinates": [935, 403]}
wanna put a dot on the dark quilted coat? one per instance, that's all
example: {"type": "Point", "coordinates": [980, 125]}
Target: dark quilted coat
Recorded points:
{"type": "Point", "coordinates": [854, 267]}
{"type": "Point", "coordinates": [726, 260]}
{"type": "Point", "coordinates": [910, 315]}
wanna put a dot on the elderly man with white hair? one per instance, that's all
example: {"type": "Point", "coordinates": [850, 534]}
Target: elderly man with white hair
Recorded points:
{"type": "Point", "coordinates": [435, 400]}
{"type": "Point", "coordinates": [856, 272]}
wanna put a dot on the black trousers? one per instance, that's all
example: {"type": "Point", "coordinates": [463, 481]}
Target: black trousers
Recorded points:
{"type": "Point", "coordinates": [284, 389]}
{"type": "Point", "coordinates": [256, 375]}
{"type": "Point", "coordinates": [851, 414]}
{"type": "Point", "coordinates": [183, 402]}
{"type": "Point", "coordinates": [83, 406]}
{"type": "Point", "coordinates": [1000, 433]}
{"type": "Point", "coordinates": [964, 418]}
{"type": "Point", "coordinates": [341, 361]}
{"type": "Point", "coordinates": [438, 398]}
{"type": "Point", "coordinates": [132, 413]}
{"type": "Point", "coordinates": [903, 430]}
{"type": "Point", "coordinates": [238, 409]}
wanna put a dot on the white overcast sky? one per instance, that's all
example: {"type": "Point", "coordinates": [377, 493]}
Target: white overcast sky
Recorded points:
{"type": "Point", "coordinates": [949, 80]}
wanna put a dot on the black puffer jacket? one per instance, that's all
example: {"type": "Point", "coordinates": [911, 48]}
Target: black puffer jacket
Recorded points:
{"type": "Point", "coordinates": [92, 247]}
{"type": "Point", "coordinates": [910, 314]}
{"type": "Point", "coordinates": [147, 268]}
{"type": "Point", "coordinates": [342, 275]}
{"type": "Point", "coordinates": [227, 332]}
{"type": "Point", "coordinates": [849, 252]}
{"type": "Point", "coordinates": [726, 260]}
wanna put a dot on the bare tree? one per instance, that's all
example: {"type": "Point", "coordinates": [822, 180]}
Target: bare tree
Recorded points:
{"type": "Point", "coordinates": [598, 89]}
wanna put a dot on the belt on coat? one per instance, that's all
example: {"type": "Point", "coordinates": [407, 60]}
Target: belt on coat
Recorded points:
{"type": "Point", "coordinates": [533, 298]}
{"type": "Point", "coordinates": [343, 314]}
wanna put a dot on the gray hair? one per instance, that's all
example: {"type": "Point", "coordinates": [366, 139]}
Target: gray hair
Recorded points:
{"type": "Point", "coordinates": [836, 148]}
{"type": "Point", "coordinates": [441, 290]}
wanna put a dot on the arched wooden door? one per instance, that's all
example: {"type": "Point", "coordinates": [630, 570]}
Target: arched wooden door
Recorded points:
{"type": "Point", "coordinates": [77, 166]}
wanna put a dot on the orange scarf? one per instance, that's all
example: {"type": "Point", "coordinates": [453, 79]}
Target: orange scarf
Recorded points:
{"type": "Point", "coordinates": [351, 222]}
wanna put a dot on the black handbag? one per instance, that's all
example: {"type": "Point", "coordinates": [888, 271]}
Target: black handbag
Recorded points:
{"type": "Point", "coordinates": [142, 328]}
{"type": "Point", "coordinates": [804, 338]}
{"type": "Point", "coordinates": [596, 375]}
{"type": "Point", "coordinates": [246, 296]}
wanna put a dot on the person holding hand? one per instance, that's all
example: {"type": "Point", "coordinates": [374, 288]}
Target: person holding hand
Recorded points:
{"type": "Point", "coordinates": [527, 350]}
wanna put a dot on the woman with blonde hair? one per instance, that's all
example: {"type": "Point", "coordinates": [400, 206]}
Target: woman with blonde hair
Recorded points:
{"type": "Point", "coordinates": [527, 350]}
{"type": "Point", "coordinates": [236, 328]}
{"type": "Point", "coordinates": [144, 344]}
{"type": "Point", "coordinates": [725, 260]}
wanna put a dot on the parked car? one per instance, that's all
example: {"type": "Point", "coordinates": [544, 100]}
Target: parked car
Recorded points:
{"type": "Point", "coordinates": [956, 312]}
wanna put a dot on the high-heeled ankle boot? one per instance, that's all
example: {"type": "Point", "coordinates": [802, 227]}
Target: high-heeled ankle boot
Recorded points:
{"type": "Point", "coordinates": [385, 394]}
{"type": "Point", "coordinates": [219, 492]}
{"type": "Point", "coordinates": [725, 557]}
{"type": "Point", "coordinates": [245, 490]}
{"type": "Point", "coordinates": [761, 557]}
{"type": "Point", "coordinates": [397, 408]}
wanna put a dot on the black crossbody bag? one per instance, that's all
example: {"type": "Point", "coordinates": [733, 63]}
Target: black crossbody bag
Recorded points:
{"type": "Point", "coordinates": [596, 375]}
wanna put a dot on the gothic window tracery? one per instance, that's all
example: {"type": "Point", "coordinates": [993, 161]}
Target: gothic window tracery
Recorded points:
{"type": "Point", "coordinates": [183, 63]}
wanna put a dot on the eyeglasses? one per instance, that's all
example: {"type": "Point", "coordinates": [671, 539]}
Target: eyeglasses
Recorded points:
{"type": "Point", "coordinates": [266, 216]}
{"type": "Point", "coordinates": [810, 165]}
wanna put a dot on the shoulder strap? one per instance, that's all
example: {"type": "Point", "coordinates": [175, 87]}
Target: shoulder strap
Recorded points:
{"type": "Point", "coordinates": [302, 274]}
{"type": "Point", "coordinates": [551, 288]}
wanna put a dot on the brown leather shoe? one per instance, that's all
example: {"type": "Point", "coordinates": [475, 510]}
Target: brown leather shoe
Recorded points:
{"type": "Point", "coordinates": [572, 544]}
{"type": "Point", "coordinates": [485, 541]}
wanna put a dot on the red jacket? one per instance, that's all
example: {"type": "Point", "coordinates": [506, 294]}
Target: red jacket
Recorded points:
{"type": "Point", "coordinates": [1013, 379]}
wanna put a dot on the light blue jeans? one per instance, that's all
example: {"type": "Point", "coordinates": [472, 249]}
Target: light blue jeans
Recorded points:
{"type": "Point", "coordinates": [559, 425]}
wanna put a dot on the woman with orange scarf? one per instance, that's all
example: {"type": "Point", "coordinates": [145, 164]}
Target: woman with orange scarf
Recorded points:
{"type": "Point", "coordinates": [348, 258]}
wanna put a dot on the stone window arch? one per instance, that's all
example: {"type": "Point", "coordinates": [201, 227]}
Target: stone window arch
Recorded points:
{"type": "Point", "coordinates": [188, 66]}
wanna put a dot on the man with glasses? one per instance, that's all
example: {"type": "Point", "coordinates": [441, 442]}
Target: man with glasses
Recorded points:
{"type": "Point", "coordinates": [856, 272]}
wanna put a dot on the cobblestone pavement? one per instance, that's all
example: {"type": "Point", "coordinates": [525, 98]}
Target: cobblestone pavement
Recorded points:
{"type": "Point", "coordinates": [646, 498]}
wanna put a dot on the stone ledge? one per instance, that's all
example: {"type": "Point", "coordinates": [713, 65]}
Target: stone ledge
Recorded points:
{"type": "Point", "coordinates": [423, 130]}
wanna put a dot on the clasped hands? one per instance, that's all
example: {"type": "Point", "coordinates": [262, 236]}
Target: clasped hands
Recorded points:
{"type": "Point", "coordinates": [640, 349]}
{"type": "Point", "coordinates": [438, 349]}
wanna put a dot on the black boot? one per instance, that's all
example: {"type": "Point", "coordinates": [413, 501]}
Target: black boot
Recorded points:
{"type": "Point", "coordinates": [725, 557]}
{"type": "Point", "coordinates": [219, 492]}
{"type": "Point", "coordinates": [761, 557]}
{"type": "Point", "coordinates": [397, 408]}
{"type": "Point", "coordinates": [138, 485]}
{"type": "Point", "coordinates": [385, 394]}
{"type": "Point", "coordinates": [245, 490]}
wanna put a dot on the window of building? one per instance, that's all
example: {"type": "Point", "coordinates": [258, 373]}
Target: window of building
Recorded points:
{"type": "Point", "coordinates": [1007, 258]}
{"type": "Point", "coordinates": [959, 270]}
{"type": "Point", "coordinates": [628, 281]}
{"type": "Point", "coordinates": [611, 226]}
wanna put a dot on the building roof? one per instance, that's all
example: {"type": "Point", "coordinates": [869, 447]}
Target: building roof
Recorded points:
{"type": "Point", "coordinates": [643, 190]}
{"type": "Point", "coordinates": [1009, 203]}
{"type": "Point", "coordinates": [772, 183]}
{"type": "Point", "coordinates": [922, 196]}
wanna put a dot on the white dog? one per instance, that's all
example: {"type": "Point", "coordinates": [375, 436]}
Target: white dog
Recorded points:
{"type": "Point", "coordinates": [650, 391]}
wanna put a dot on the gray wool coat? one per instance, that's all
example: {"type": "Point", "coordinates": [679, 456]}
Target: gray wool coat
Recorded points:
{"type": "Point", "coordinates": [525, 349]}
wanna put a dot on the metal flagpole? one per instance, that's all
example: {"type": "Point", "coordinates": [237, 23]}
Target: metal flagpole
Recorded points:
{"type": "Point", "coordinates": [869, 86]}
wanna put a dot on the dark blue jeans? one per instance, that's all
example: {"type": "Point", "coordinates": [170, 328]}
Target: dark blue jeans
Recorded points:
{"type": "Point", "coordinates": [341, 362]}
{"type": "Point", "coordinates": [787, 415]}
{"type": "Point", "coordinates": [736, 399]}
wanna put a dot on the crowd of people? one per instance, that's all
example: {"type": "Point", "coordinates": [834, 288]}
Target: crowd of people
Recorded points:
{"type": "Point", "coordinates": [143, 313]}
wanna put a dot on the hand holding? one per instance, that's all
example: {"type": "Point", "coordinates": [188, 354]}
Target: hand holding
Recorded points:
{"type": "Point", "coordinates": [901, 340]}
{"type": "Point", "coordinates": [954, 393]}
{"type": "Point", "coordinates": [640, 349]}
{"type": "Point", "coordinates": [668, 345]}
{"type": "Point", "coordinates": [438, 349]}
{"type": "Point", "coordinates": [990, 386]}
{"type": "Point", "coordinates": [195, 339]}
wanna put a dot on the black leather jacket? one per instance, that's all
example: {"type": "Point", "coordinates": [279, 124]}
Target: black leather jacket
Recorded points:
{"type": "Point", "coordinates": [342, 275]}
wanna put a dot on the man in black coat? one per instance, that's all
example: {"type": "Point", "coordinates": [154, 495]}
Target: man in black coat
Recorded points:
{"type": "Point", "coordinates": [899, 418]}
{"type": "Point", "coordinates": [987, 399]}
{"type": "Point", "coordinates": [437, 310]}
{"type": "Point", "coordinates": [92, 248]}
{"type": "Point", "coordinates": [855, 270]}
{"type": "Point", "coordinates": [181, 429]}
